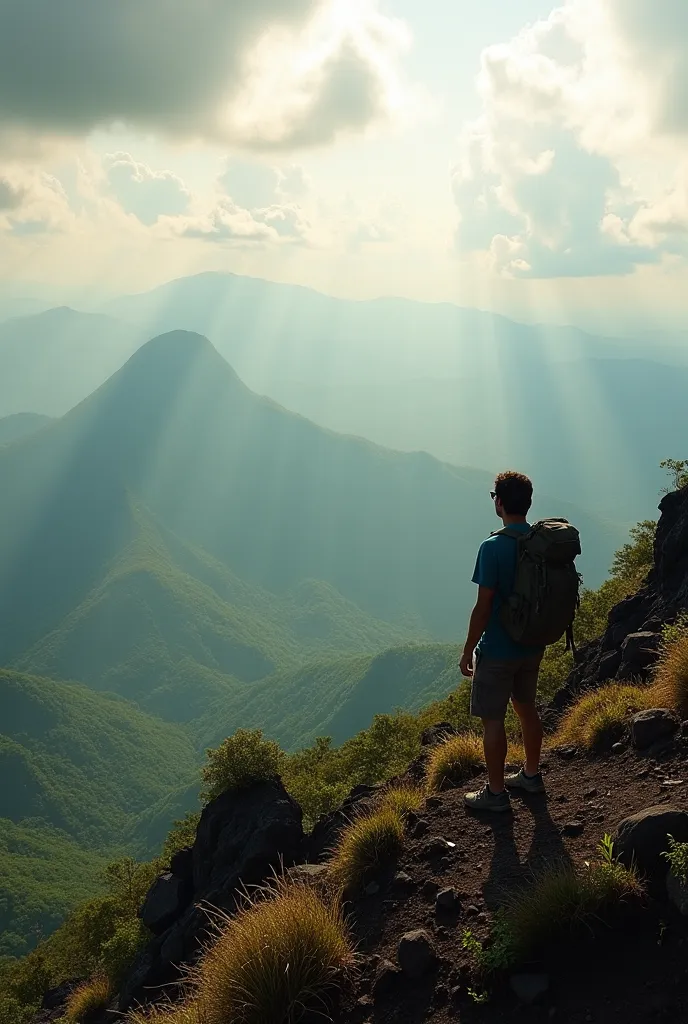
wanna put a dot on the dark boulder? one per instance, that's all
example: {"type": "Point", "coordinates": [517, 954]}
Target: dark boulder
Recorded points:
{"type": "Point", "coordinates": [609, 665]}
{"type": "Point", "coordinates": [651, 726]}
{"type": "Point", "coordinates": [242, 838]}
{"type": "Point", "coordinates": [56, 998]}
{"type": "Point", "coordinates": [167, 898]}
{"type": "Point", "coordinates": [639, 652]}
{"type": "Point", "coordinates": [181, 864]}
{"type": "Point", "coordinates": [416, 954]}
{"type": "Point", "coordinates": [435, 734]}
{"type": "Point", "coordinates": [642, 838]}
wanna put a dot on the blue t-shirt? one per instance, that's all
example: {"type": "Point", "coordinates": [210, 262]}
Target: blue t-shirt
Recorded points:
{"type": "Point", "coordinates": [495, 568]}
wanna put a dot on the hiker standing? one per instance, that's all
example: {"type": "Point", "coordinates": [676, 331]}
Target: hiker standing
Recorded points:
{"type": "Point", "coordinates": [527, 598]}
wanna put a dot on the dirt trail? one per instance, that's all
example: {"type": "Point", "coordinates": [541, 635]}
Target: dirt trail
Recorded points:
{"type": "Point", "coordinates": [635, 970]}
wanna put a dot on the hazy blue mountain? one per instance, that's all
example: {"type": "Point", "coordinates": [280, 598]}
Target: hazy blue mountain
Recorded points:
{"type": "Point", "coordinates": [470, 387]}
{"type": "Point", "coordinates": [596, 433]}
{"type": "Point", "coordinates": [270, 331]}
{"type": "Point", "coordinates": [21, 424]}
{"type": "Point", "coordinates": [52, 360]}
{"type": "Point", "coordinates": [268, 494]}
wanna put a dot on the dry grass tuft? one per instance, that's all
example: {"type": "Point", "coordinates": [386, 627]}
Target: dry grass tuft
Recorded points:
{"type": "Point", "coordinates": [365, 845]}
{"type": "Point", "coordinates": [670, 688]}
{"type": "Point", "coordinates": [167, 1013]}
{"type": "Point", "coordinates": [599, 718]}
{"type": "Point", "coordinates": [87, 1000]}
{"type": "Point", "coordinates": [453, 761]}
{"type": "Point", "coordinates": [402, 799]}
{"type": "Point", "coordinates": [279, 955]}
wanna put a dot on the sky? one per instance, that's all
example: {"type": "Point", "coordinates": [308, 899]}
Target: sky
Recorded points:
{"type": "Point", "coordinates": [516, 155]}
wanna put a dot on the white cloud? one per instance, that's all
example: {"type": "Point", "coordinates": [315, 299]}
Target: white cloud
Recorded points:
{"type": "Point", "coordinates": [227, 223]}
{"type": "Point", "coordinates": [146, 193]}
{"type": "Point", "coordinates": [32, 202]}
{"type": "Point", "coordinates": [569, 105]}
{"type": "Point", "coordinates": [263, 73]}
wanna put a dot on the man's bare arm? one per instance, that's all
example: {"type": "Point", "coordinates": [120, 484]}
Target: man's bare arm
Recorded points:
{"type": "Point", "coordinates": [480, 616]}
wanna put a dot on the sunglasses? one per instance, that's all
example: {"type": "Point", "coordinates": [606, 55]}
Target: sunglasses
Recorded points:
{"type": "Point", "coordinates": [493, 495]}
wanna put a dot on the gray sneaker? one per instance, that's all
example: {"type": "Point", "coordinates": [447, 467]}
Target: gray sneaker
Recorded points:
{"type": "Point", "coordinates": [485, 800]}
{"type": "Point", "coordinates": [528, 783]}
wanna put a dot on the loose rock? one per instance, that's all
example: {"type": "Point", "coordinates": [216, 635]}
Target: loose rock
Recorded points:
{"type": "Point", "coordinates": [642, 838]}
{"type": "Point", "coordinates": [430, 889]}
{"type": "Point", "coordinates": [648, 727]}
{"type": "Point", "coordinates": [447, 902]}
{"type": "Point", "coordinates": [416, 954]}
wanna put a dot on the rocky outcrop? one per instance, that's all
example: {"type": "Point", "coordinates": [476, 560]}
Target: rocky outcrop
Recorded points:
{"type": "Point", "coordinates": [629, 647]}
{"type": "Point", "coordinates": [242, 838]}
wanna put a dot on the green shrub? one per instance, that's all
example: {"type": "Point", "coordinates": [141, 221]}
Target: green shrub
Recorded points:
{"type": "Point", "coordinates": [368, 843]}
{"type": "Point", "coordinates": [87, 1000]}
{"type": "Point", "coordinates": [240, 761]}
{"type": "Point", "coordinates": [677, 855]}
{"type": "Point", "coordinates": [118, 953]}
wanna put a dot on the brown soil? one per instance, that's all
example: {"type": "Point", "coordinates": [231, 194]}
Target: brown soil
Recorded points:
{"type": "Point", "coordinates": [633, 969]}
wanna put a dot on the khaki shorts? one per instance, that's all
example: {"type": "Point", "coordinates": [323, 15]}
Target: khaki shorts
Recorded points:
{"type": "Point", "coordinates": [497, 680]}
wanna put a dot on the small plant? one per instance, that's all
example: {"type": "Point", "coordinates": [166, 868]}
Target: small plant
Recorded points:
{"type": "Point", "coordinates": [599, 717]}
{"type": "Point", "coordinates": [281, 954]}
{"type": "Point", "coordinates": [670, 686]}
{"type": "Point", "coordinates": [606, 850]}
{"type": "Point", "coordinates": [678, 471]}
{"type": "Point", "coordinates": [402, 799]}
{"type": "Point", "coordinates": [453, 761]}
{"type": "Point", "coordinates": [87, 1000]}
{"type": "Point", "coordinates": [366, 844]}
{"type": "Point", "coordinates": [677, 855]}
{"type": "Point", "coordinates": [498, 953]}
{"type": "Point", "coordinates": [240, 761]}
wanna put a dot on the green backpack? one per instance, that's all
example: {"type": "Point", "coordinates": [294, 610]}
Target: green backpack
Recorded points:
{"type": "Point", "coordinates": [542, 606]}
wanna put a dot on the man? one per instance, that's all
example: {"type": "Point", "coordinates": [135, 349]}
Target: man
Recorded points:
{"type": "Point", "coordinates": [502, 669]}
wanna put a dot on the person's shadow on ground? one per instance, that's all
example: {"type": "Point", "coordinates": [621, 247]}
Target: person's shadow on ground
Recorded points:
{"type": "Point", "coordinates": [508, 871]}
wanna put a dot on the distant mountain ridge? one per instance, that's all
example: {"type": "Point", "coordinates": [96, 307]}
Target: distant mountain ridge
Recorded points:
{"type": "Point", "coordinates": [562, 404]}
{"type": "Point", "coordinates": [266, 493]}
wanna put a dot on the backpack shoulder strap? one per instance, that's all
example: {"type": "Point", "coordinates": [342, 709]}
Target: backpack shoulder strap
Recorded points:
{"type": "Point", "coordinates": [508, 531]}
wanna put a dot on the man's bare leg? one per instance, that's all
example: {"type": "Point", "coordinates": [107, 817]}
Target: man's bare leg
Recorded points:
{"type": "Point", "coordinates": [494, 745]}
{"type": "Point", "coordinates": [531, 729]}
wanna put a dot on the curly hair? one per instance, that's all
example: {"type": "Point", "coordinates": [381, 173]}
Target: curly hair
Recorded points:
{"type": "Point", "coordinates": [515, 491]}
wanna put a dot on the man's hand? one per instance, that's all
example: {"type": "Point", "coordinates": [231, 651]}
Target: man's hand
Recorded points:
{"type": "Point", "coordinates": [466, 664]}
